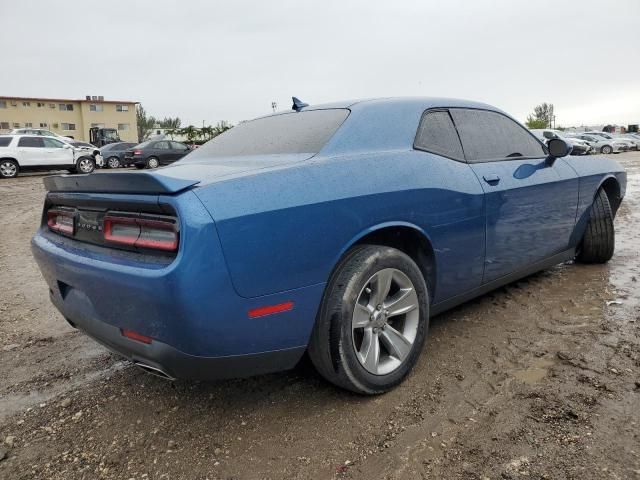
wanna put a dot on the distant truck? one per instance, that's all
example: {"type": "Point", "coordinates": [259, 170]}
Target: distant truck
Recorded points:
{"type": "Point", "coordinates": [103, 136]}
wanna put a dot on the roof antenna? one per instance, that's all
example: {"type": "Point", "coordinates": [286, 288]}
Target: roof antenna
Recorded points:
{"type": "Point", "coordinates": [298, 104]}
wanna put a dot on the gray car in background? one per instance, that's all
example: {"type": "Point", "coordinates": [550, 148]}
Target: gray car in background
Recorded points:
{"type": "Point", "coordinates": [601, 144]}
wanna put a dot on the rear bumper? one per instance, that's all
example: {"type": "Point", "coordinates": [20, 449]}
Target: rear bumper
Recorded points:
{"type": "Point", "coordinates": [172, 363]}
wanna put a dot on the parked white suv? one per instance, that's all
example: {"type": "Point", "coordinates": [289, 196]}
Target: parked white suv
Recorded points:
{"type": "Point", "coordinates": [34, 152]}
{"type": "Point", "coordinates": [37, 131]}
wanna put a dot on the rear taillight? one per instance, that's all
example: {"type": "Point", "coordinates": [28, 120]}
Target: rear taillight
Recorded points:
{"type": "Point", "coordinates": [141, 232]}
{"type": "Point", "coordinates": [137, 152]}
{"type": "Point", "coordinates": [61, 221]}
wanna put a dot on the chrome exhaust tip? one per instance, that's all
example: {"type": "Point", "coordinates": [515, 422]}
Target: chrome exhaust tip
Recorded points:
{"type": "Point", "coordinates": [154, 371]}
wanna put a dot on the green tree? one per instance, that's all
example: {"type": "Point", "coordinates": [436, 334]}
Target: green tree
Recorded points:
{"type": "Point", "coordinates": [221, 127]}
{"type": "Point", "coordinates": [207, 133]}
{"type": "Point", "coordinates": [542, 116]}
{"type": "Point", "coordinates": [145, 123]}
{"type": "Point", "coordinates": [169, 122]}
{"type": "Point", "coordinates": [536, 123]}
{"type": "Point", "coordinates": [190, 132]}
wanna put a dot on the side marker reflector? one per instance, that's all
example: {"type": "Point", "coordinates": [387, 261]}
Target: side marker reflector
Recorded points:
{"type": "Point", "coordinates": [136, 336]}
{"type": "Point", "coordinates": [270, 309]}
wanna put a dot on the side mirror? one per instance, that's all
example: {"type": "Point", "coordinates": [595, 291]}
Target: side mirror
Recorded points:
{"type": "Point", "coordinates": [67, 146]}
{"type": "Point", "coordinates": [558, 148]}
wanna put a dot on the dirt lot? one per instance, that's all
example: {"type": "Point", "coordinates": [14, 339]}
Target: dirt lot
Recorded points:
{"type": "Point", "coordinates": [540, 379]}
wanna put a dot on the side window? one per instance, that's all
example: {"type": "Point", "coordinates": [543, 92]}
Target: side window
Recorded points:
{"type": "Point", "coordinates": [162, 145]}
{"type": "Point", "coordinates": [35, 142]}
{"type": "Point", "coordinates": [178, 146]}
{"type": "Point", "coordinates": [489, 135]}
{"type": "Point", "coordinates": [549, 135]}
{"type": "Point", "coordinates": [437, 134]}
{"type": "Point", "coordinates": [52, 142]}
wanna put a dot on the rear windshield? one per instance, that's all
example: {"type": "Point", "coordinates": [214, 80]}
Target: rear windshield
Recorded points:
{"type": "Point", "coordinates": [295, 132]}
{"type": "Point", "coordinates": [5, 141]}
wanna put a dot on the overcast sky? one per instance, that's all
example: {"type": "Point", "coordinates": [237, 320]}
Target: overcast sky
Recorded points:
{"type": "Point", "coordinates": [213, 60]}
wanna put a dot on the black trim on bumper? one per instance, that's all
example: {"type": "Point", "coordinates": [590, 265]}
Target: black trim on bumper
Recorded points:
{"type": "Point", "coordinates": [177, 364]}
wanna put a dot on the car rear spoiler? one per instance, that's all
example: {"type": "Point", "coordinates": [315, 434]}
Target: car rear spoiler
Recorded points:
{"type": "Point", "coordinates": [118, 182]}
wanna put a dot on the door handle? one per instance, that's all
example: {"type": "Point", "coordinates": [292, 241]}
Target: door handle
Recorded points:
{"type": "Point", "coordinates": [491, 179]}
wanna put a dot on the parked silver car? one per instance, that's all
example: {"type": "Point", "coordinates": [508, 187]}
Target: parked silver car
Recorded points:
{"type": "Point", "coordinates": [602, 144]}
{"type": "Point", "coordinates": [580, 147]}
{"type": "Point", "coordinates": [629, 137]}
{"type": "Point", "coordinates": [608, 136]}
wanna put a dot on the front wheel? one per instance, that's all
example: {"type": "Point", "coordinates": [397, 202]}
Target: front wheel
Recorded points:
{"type": "Point", "coordinates": [372, 322]}
{"type": "Point", "coordinates": [599, 239]}
{"type": "Point", "coordinates": [606, 149]}
{"type": "Point", "coordinates": [85, 165]}
{"type": "Point", "coordinates": [8, 168]}
{"type": "Point", "coordinates": [113, 162]}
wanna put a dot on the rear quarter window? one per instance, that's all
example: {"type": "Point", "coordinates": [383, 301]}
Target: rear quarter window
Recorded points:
{"type": "Point", "coordinates": [437, 134]}
{"type": "Point", "coordinates": [5, 141]}
{"type": "Point", "coordinates": [285, 133]}
{"type": "Point", "coordinates": [31, 142]}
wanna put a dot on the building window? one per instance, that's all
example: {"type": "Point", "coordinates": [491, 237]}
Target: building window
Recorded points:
{"type": "Point", "coordinates": [123, 126]}
{"type": "Point", "coordinates": [122, 108]}
{"type": "Point", "coordinates": [4, 125]}
{"type": "Point", "coordinates": [68, 126]}
{"type": "Point", "coordinates": [99, 125]}
{"type": "Point", "coordinates": [3, 104]}
{"type": "Point", "coordinates": [40, 105]}
{"type": "Point", "coordinates": [66, 107]}
{"type": "Point", "coordinates": [26, 104]}
{"type": "Point", "coordinates": [16, 125]}
{"type": "Point", "coordinates": [43, 125]}
{"type": "Point", "coordinates": [96, 108]}
{"type": "Point", "coordinates": [28, 125]}
{"type": "Point", "coordinates": [52, 105]}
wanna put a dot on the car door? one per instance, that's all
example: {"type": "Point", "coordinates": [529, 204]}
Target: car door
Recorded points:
{"type": "Point", "coordinates": [163, 152]}
{"type": "Point", "coordinates": [531, 203]}
{"type": "Point", "coordinates": [31, 152]}
{"type": "Point", "coordinates": [179, 150]}
{"type": "Point", "coordinates": [57, 152]}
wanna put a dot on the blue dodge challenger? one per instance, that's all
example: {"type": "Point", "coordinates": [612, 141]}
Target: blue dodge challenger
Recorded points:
{"type": "Point", "coordinates": [335, 230]}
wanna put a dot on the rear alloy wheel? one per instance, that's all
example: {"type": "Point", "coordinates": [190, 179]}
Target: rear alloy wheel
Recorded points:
{"type": "Point", "coordinates": [599, 238]}
{"type": "Point", "coordinates": [113, 162]}
{"type": "Point", "coordinates": [152, 162]}
{"type": "Point", "coordinates": [8, 168]}
{"type": "Point", "coordinates": [85, 165]}
{"type": "Point", "coordinates": [607, 149]}
{"type": "Point", "coordinates": [372, 322]}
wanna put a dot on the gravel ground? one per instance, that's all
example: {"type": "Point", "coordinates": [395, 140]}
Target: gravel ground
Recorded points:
{"type": "Point", "coordinates": [540, 379]}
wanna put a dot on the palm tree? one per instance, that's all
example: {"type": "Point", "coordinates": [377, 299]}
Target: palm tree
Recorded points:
{"type": "Point", "coordinates": [221, 127]}
{"type": "Point", "coordinates": [207, 133]}
{"type": "Point", "coordinates": [190, 132]}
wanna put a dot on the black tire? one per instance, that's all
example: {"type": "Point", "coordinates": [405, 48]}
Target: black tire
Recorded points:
{"type": "Point", "coordinates": [113, 162]}
{"type": "Point", "coordinates": [332, 347]}
{"type": "Point", "coordinates": [606, 149]}
{"type": "Point", "coordinates": [598, 242]}
{"type": "Point", "coordinates": [9, 168]}
{"type": "Point", "coordinates": [153, 162]}
{"type": "Point", "coordinates": [139, 167]}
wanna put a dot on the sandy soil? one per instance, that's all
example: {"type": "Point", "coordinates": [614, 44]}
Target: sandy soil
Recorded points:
{"type": "Point", "coordinates": [540, 380]}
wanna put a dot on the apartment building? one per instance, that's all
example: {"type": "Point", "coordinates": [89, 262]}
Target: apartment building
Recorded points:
{"type": "Point", "coordinates": [70, 117]}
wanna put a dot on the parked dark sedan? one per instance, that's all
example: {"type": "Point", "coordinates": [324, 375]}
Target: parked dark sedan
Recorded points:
{"type": "Point", "coordinates": [153, 153]}
{"type": "Point", "coordinates": [113, 153]}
